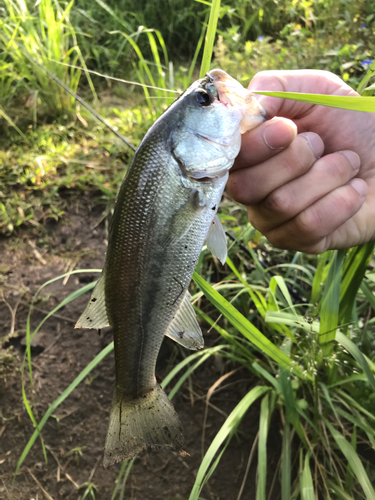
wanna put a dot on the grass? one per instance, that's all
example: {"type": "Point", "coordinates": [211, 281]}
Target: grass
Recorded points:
{"type": "Point", "coordinates": [46, 38]}
{"type": "Point", "coordinates": [297, 324]}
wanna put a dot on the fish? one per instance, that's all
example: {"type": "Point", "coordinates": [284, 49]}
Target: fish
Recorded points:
{"type": "Point", "coordinates": [166, 208]}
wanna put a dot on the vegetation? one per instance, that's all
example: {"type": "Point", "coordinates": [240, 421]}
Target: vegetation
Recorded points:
{"type": "Point", "coordinates": [303, 326]}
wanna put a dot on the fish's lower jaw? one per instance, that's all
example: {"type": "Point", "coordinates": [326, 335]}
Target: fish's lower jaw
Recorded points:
{"type": "Point", "coordinates": [147, 422]}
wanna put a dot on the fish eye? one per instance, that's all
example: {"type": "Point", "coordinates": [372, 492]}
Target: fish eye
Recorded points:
{"type": "Point", "coordinates": [203, 97]}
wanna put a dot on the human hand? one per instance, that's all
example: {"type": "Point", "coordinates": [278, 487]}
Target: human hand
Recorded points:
{"type": "Point", "coordinates": [308, 176]}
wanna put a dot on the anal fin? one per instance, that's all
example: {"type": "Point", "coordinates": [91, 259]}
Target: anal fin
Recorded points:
{"type": "Point", "coordinates": [95, 314]}
{"type": "Point", "coordinates": [184, 328]}
{"type": "Point", "coordinates": [217, 241]}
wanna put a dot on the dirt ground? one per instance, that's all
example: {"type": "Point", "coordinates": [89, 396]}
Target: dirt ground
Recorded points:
{"type": "Point", "coordinates": [74, 436]}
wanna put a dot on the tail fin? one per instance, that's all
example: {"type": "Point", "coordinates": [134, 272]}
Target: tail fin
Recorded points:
{"type": "Point", "coordinates": [134, 425]}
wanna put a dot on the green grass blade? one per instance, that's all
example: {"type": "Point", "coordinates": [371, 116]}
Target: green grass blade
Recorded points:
{"type": "Point", "coordinates": [329, 313]}
{"type": "Point", "coordinates": [286, 318]}
{"type": "Point", "coordinates": [262, 448]}
{"type": "Point", "coordinates": [266, 374]}
{"type": "Point", "coordinates": [351, 403]}
{"type": "Point", "coordinates": [286, 461]}
{"type": "Point", "coordinates": [356, 264]}
{"type": "Point", "coordinates": [30, 336]}
{"type": "Point", "coordinates": [348, 380]}
{"type": "Point", "coordinates": [246, 328]}
{"type": "Point", "coordinates": [32, 418]}
{"type": "Point", "coordinates": [318, 278]}
{"type": "Point", "coordinates": [284, 290]}
{"type": "Point", "coordinates": [307, 486]}
{"type": "Point", "coordinates": [357, 420]}
{"type": "Point", "coordinates": [255, 298]}
{"type": "Point", "coordinates": [368, 293]}
{"type": "Point", "coordinates": [366, 79]}
{"type": "Point", "coordinates": [354, 461]}
{"type": "Point", "coordinates": [122, 478]}
{"type": "Point", "coordinates": [206, 354]}
{"type": "Point", "coordinates": [339, 492]}
{"type": "Point", "coordinates": [357, 355]}
{"type": "Point", "coordinates": [104, 6]}
{"type": "Point", "coordinates": [226, 431]}
{"type": "Point", "coordinates": [127, 473]}
{"type": "Point", "coordinates": [238, 347]}
{"type": "Point", "coordinates": [210, 37]}
{"type": "Point", "coordinates": [292, 414]}
{"type": "Point", "coordinates": [62, 398]}
{"type": "Point", "coordinates": [11, 122]}
{"type": "Point", "coordinates": [74, 295]}
{"type": "Point", "coordinates": [334, 101]}
{"type": "Point", "coordinates": [196, 53]}
{"type": "Point", "coordinates": [186, 361]}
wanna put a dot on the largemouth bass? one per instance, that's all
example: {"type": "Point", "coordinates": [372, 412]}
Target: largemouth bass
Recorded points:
{"type": "Point", "coordinates": [166, 209]}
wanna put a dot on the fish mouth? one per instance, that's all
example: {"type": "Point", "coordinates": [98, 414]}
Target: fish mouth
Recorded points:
{"type": "Point", "coordinates": [231, 93]}
{"type": "Point", "coordinates": [221, 141]}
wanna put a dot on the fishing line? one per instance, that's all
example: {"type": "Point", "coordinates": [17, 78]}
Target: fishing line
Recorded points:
{"type": "Point", "coordinates": [84, 104]}
{"type": "Point", "coordinates": [112, 77]}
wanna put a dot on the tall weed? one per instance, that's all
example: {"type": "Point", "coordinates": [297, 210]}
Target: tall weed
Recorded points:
{"type": "Point", "coordinates": [30, 41]}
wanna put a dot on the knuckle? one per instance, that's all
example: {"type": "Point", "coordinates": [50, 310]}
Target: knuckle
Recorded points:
{"type": "Point", "coordinates": [308, 222]}
{"type": "Point", "coordinates": [298, 159]}
{"type": "Point", "coordinates": [280, 201]}
{"type": "Point", "coordinates": [290, 166]}
{"type": "Point", "coordinates": [342, 201]}
{"type": "Point", "coordinates": [335, 166]}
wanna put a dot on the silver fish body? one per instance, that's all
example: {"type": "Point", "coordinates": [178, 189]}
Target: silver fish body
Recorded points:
{"type": "Point", "coordinates": [164, 211]}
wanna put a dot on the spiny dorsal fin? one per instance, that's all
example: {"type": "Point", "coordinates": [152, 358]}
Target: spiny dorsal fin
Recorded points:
{"type": "Point", "coordinates": [184, 328]}
{"type": "Point", "coordinates": [217, 241]}
{"type": "Point", "coordinates": [95, 314]}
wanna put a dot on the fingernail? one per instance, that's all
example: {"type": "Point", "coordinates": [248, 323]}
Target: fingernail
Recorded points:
{"type": "Point", "coordinates": [278, 133]}
{"type": "Point", "coordinates": [360, 186]}
{"type": "Point", "coordinates": [315, 143]}
{"type": "Point", "coordinates": [353, 159]}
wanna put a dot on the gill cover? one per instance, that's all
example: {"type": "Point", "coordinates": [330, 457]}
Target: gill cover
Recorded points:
{"type": "Point", "coordinates": [218, 110]}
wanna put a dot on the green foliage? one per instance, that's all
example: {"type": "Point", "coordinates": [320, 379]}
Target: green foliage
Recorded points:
{"type": "Point", "coordinates": [355, 103]}
{"type": "Point", "coordinates": [312, 405]}
{"type": "Point", "coordinates": [36, 182]}
{"type": "Point", "coordinates": [43, 36]}
{"type": "Point", "coordinates": [179, 21]}
{"type": "Point", "coordinates": [210, 37]}
{"type": "Point", "coordinates": [329, 35]}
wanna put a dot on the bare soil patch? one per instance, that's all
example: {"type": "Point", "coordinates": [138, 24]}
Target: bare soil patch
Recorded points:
{"type": "Point", "coordinates": [59, 353]}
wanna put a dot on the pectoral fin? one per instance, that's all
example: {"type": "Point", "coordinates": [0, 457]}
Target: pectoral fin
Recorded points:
{"type": "Point", "coordinates": [217, 241]}
{"type": "Point", "coordinates": [184, 328]}
{"type": "Point", "coordinates": [183, 219]}
{"type": "Point", "coordinates": [95, 314]}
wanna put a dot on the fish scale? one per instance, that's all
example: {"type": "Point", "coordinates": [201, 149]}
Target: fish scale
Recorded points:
{"type": "Point", "coordinates": [165, 210]}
